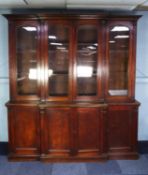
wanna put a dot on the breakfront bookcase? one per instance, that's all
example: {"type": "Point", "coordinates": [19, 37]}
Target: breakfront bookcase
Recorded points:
{"type": "Point", "coordinates": [72, 85]}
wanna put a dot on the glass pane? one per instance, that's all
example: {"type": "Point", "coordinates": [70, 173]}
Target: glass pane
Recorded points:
{"type": "Point", "coordinates": [58, 67]}
{"type": "Point", "coordinates": [118, 60]}
{"type": "Point", "coordinates": [55, 85]}
{"type": "Point", "coordinates": [87, 47]}
{"type": "Point", "coordinates": [26, 53]}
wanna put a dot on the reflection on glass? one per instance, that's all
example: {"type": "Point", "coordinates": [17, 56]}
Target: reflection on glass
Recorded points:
{"type": "Point", "coordinates": [118, 60]}
{"type": "Point", "coordinates": [32, 74]}
{"type": "Point", "coordinates": [87, 48]}
{"type": "Point", "coordinates": [30, 29]}
{"type": "Point", "coordinates": [50, 72]}
{"type": "Point", "coordinates": [52, 37]}
{"type": "Point", "coordinates": [26, 53]}
{"type": "Point", "coordinates": [58, 42]}
{"type": "Point", "coordinates": [84, 71]}
{"type": "Point", "coordinates": [120, 29]}
{"type": "Point", "coordinates": [121, 36]}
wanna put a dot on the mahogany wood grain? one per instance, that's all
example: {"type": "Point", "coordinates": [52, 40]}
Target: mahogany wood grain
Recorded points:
{"type": "Point", "coordinates": [24, 131]}
{"type": "Point", "coordinates": [122, 130]}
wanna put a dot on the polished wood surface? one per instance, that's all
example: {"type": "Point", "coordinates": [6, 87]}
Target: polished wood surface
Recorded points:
{"type": "Point", "coordinates": [58, 131]}
{"type": "Point", "coordinates": [122, 124]}
{"type": "Point", "coordinates": [72, 84]}
{"type": "Point", "coordinates": [24, 131]}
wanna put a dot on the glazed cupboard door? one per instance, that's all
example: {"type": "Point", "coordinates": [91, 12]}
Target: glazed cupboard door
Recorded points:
{"type": "Point", "coordinates": [24, 60]}
{"type": "Point", "coordinates": [58, 69]}
{"type": "Point", "coordinates": [120, 53]}
{"type": "Point", "coordinates": [87, 64]}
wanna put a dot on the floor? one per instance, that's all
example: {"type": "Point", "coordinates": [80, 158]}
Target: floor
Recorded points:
{"type": "Point", "coordinates": [118, 167]}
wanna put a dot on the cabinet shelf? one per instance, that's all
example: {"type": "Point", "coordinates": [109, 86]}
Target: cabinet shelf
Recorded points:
{"type": "Point", "coordinates": [60, 72]}
{"type": "Point", "coordinates": [87, 94]}
{"type": "Point", "coordinates": [58, 94]}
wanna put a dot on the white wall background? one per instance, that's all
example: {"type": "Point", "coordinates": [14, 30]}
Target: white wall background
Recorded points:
{"type": "Point", "coordinates": [4, 85]}
{"type": "Point", "coordinates": [142, 75]}
{"type": "Point", "coordinates": [141, 80]}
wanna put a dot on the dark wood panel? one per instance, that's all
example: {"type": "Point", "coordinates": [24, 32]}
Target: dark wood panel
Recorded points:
{"type": "Point", "coordinates": [24, 131]}
{"type": "Point", "coordinates": [122, 130]}
{"type": "Point", "coordinates": [88, 131]}
{"type": "Point", "coordinates": [119, 127]}
{"type": "Point", "coordinates": [58, 124]}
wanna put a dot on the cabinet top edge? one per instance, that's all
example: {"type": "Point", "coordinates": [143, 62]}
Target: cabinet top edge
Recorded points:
{"type": "Point", "coordinates": [70, 16]}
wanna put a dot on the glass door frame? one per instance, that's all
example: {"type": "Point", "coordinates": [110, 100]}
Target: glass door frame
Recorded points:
{"type": "Point", "coordinates": [13, 59]}
{"type": "Point", "coordinates": [68, 24]}
{"type": "Point", "coordinates": [99, 83]}
{"type": "Point", "coordinates": [131, 61]}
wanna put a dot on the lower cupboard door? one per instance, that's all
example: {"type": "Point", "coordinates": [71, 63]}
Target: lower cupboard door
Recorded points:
{"type": "Point", "coordinates": [122, 126]}
{"type": "Point", "coordinates": [89, 130]}
{"type": "Point", "coordinates": [24, 132]}
{"type": "Point", "coordinates": [57, 132]}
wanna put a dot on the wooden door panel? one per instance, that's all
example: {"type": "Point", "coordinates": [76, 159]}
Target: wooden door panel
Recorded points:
{"type": "Point", "coordinates": [122, 125]}
{"type": "Point", "coordinates": [88, 131]}
{"type": "Point", "coordinates": [119, 129]}
{"type": "Point", "coordinates": [24, 130]}
{"type": "Point", "coordinates": [58, 124]}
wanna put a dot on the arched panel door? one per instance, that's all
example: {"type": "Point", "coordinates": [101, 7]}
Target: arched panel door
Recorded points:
{"type": "Point", "coordinates": [120, 61]}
